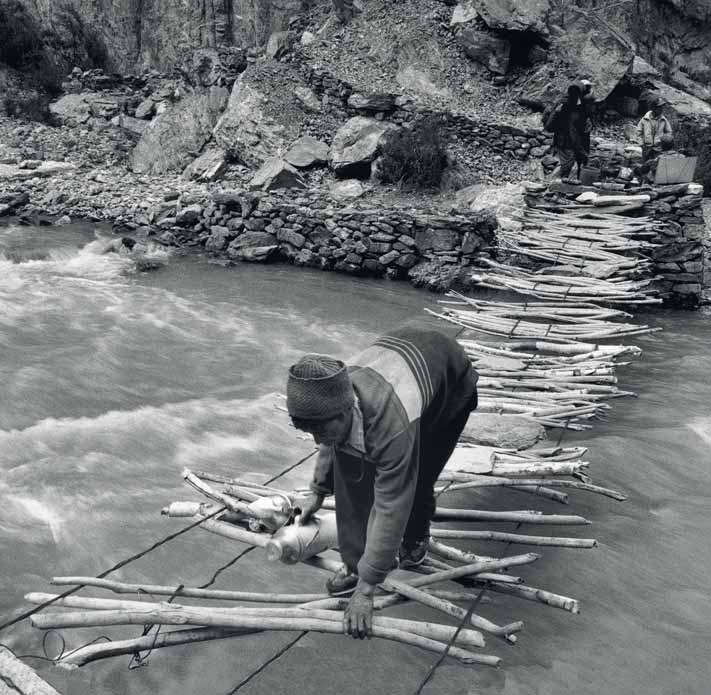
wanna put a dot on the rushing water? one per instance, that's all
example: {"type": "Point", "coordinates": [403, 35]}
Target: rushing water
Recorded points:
{"type": "Point", "coordinates": [113, 381]}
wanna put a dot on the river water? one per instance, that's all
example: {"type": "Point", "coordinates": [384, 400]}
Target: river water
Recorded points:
{"type": "Point", "coordinates": [113, 381]}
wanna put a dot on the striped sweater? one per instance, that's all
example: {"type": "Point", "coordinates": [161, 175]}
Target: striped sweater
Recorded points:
{"type": "Point", "coordinates": [408, 384]}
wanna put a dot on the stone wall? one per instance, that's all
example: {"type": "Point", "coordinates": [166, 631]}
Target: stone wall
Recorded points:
{"type": "Point", "coordinates": [344, 101]}
{"type": "Point", "coordinates": [678, 258]}
{"type": "Point", "coordinates": [422, 244]}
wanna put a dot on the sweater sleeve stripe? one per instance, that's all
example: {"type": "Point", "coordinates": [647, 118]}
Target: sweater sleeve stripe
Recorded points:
{"type": "Point", "coordinates": [416, 361]}
{"type": "Point", "coordinates": [394, 369]}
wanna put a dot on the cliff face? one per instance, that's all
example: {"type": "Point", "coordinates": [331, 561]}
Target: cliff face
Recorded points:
{"type": "Point", "coordinates": [151, 33]}
{"type": "Point", "coordinates": [673, 35]}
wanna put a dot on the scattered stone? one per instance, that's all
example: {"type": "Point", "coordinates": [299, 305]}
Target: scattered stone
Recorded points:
{"type": "Point", "coordinates": [189, 215]}
{"type": "Point", "coordinates": [146, 109]}
{"type": "Point", "coordinates": [132, 125]}
{"type": "Point", "coordinates": [372, 102]}
{"type": "Point", "coordinates": [349, 189]}
{"type": "Point", "coordinates": [276, 173]}
{"type": "Point", "coordinates": [209, 166]}
{"type": "Point", "coordinates": [308, 99]}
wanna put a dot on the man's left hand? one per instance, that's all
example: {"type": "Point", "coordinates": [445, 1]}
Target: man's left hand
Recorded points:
{"type": "Point", "coordinates": [358, 616]}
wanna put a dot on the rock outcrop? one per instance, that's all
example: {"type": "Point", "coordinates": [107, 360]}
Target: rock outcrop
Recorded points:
{"type": "Point", "coordinates": [263, 116]}
{"type": "Point", "coordinates": [356, 145]}
{"type": "Point", "coordinates": [171, 139]}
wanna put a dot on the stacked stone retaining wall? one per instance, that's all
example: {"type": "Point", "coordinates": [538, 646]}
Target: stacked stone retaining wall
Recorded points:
{"type": "Point", "coordinates": [344, 100]}
{"type": "Point", "coordinates": [312, 231]}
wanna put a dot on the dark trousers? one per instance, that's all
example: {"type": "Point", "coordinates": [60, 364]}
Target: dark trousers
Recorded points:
{"type": "Point", "coordinates": [354, 486]}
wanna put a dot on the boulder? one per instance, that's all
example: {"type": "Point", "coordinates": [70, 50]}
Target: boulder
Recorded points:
{"type": "Point", "coordinates": [504, 431]}
{"type": "Point", "coordinates": [307, 38]}
{"type": "Point", "coordinates": [209, 166]}
{"type": "Point", "coordinates": [71, 109]}
{"type": "Point", "coordinates": [372, 102]}
{"type": "Point", "coordinates": [306, 152]}
{"type": "Point", "coordinates": [189, 215]}
{"type": "Point", "coordinates": [589, 50]}
{"type": "Point", "coordinates": [171, 139]}
{"type": "Point", "coordinates": [356, 145]}
{"type": "Point", "coordinates": [218, 240]}
{"type": "Point", "coordinates": [491, 51]}
{"type": "Point", "coordinates": [509, 15]}
{"type": "Point", "coordinates": [276, 173]}
{"type": "Point", "coordinates": [681, 103]}
{"type": "Point", "coordinates": [347, 190]}
{"type": "Point", "coordinates": [263, 114]}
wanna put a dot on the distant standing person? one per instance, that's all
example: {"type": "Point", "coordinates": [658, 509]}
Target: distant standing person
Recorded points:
{"type": "Point", "coordinates": [653, 129]}
{"type": "Point", "coordinates": [570, 124]}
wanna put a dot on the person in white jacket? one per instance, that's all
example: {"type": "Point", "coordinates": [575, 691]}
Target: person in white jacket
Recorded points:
{"type": "Point", "coordinates": [653, 128]}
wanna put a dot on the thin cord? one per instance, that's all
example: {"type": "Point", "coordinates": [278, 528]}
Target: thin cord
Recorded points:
{"type": "Point", "coordinates": [272, 659]}
{"type": "Point", "coordinates": [450, 644]}
{"type": "Point", "coordinates": [119, 565]}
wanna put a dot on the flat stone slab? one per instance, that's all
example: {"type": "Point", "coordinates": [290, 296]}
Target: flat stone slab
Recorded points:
{"type": "Point", "coordinates": [18, 678]}
{"type": "Point", "coordinates": [11, 172]}
{"type": "Point", "coordinates": [503, 431]}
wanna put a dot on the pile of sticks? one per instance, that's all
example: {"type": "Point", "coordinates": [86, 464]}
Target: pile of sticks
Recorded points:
{"type": "Point", "coordinates": [557, 286]}
{"type": "Point", "coordinates": [242, 613]}
{"type": "Point", "coordinates": [587, 254]}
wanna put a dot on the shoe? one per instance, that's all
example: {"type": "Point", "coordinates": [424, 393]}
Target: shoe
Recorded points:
{"type": "Point", "coordinates": [342, 583]}
{"type": "Point", "coordinates": [413, 555]}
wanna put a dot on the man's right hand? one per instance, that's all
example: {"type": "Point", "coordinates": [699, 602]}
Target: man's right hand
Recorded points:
{"type": "Point", "coordinates": [309, 507]}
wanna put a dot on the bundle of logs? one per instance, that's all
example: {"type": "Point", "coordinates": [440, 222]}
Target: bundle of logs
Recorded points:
{"type": "Point", "coordinates": [581, 254]}
{"type": "Point", "coordinates": [264, 516]}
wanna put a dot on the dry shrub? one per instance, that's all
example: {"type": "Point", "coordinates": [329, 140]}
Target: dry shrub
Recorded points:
{"type": "Point", "coordinates": [416, 156]}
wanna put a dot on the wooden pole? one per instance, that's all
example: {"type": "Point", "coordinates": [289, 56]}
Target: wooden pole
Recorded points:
{"type": "Point", "coordinates": [181, 616]}
{"type": "Point", "coordinates": [189, 592]}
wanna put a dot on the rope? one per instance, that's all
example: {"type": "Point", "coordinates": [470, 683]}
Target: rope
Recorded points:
{"type": "Point", "coordinates": [118, 565]}
{"type": "Point", "coordinates": [272, 659]}
{"type": "Point", "coordinates": [450, 644]}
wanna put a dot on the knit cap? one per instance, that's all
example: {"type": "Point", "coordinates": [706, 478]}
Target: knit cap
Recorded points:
{"type": "Point", "coordinates": [318, 388]}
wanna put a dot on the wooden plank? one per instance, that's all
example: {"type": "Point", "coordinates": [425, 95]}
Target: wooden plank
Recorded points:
{"type": "Point", "coordinates": [16, 677]}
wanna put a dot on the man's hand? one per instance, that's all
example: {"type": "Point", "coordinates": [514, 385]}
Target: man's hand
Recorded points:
{"type": "Point", "coordinates": [358, 616]}
{"type": "Point", "coordinates": [309, 507]}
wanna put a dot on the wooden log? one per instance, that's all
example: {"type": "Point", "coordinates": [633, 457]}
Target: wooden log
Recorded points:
{"type": "Point", "coordinates": [469, 638]}
{"type": "Point", "coordinates": [448, 608]}
{"type": "Point", "coordinates": [104, 650]}
{"type": "Point", "coordinates": [520, 538]}
{"type": "Point", "coordinates": [188, 592]}
{"type": "Point", "coordinates": [531, 593]}
{"type": "Point", "coordinates": [520, 517]}
{"type": "Point", "coordinates": [180, 616]}
{"type": "Point", "coordinates": [493, 481]}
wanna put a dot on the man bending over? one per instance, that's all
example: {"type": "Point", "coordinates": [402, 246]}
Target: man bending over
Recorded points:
{"type": "Point", "coordinates": [386, 425]}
